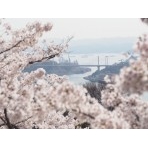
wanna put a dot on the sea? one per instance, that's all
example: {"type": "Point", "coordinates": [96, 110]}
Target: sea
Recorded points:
{"type": "Point", "coordinates": [87, 59]}
{"type": "Point", "coordinates": [90, 59]}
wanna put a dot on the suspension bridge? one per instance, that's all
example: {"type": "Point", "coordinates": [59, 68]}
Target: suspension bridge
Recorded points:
{"type": "Point", "coordinates": [98, 65]}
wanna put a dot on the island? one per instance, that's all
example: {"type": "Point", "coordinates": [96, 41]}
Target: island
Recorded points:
{"type": "Point", "coordinates": [98, 76]}
{"type": "Point", "coordinates": [62, 68]}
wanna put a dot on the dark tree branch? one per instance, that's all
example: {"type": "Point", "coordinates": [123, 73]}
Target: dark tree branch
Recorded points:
{"type": "Point", "coordinates": [15, 45]}
{"type": "Point", "coordinates": [87, 115]}
{"type": "Point", "coordinates": [7, 119]}
{"type": "Point", "coordinates": [2, 124]}
{"type": "Point", "coordinates": [44, 58]}
{"type": "Point", "coordinates": [23, 120]}
{"type": "Point", "coordinates": [8, 123]}
{"type": "Point", "coordinates": [3, 121]}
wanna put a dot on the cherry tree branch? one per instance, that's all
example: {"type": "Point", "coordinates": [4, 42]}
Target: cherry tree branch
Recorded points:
{"type": "Point", "coordinates": [15, 45]}
{"type": "Point", "coordinates": [8, 123]}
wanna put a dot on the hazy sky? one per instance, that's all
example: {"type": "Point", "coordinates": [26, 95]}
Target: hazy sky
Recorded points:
{"type": "Point", "coordinates": [90, 28]}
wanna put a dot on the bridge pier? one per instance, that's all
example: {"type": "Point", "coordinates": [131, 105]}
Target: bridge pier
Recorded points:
{"type": "Point", "coordinates": [98, 68]}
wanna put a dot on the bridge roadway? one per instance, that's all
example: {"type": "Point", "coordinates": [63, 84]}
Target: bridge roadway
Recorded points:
{"type": "Point", "coordinates": [75, 65]}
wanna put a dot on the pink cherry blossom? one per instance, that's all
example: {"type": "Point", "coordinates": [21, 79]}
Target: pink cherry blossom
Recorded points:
{"type": "Point", "coordinates": [40, 100]}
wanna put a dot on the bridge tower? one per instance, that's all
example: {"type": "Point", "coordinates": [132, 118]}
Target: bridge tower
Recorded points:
{"type": "Point", "coordinates": [98, 63]}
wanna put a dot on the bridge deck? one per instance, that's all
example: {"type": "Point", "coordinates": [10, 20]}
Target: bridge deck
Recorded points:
{"type": "Point", "coordinates": [74, 65]}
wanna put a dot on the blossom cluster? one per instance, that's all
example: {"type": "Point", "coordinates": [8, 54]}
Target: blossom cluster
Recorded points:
{"type": "Point", "coordinates": [39, 100]}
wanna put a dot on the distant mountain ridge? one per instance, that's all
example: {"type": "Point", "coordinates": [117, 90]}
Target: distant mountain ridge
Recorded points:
{"type": "Point", "coordinates": [104, 45]}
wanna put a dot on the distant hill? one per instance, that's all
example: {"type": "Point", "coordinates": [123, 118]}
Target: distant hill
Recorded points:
{"type": "Point", "coordinates": [53, 67]}
{"type": "Point", "coordinates": [104, 45]}
{"type": "Point", "coordinates": [98, 75]}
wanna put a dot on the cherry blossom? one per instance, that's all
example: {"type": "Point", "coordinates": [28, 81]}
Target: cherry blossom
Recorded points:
{"type": "Point", "coordinates": [39, 100]}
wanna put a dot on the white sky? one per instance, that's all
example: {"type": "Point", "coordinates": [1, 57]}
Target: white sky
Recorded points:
{"type": "Point", "coordinates": [90, 28]}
